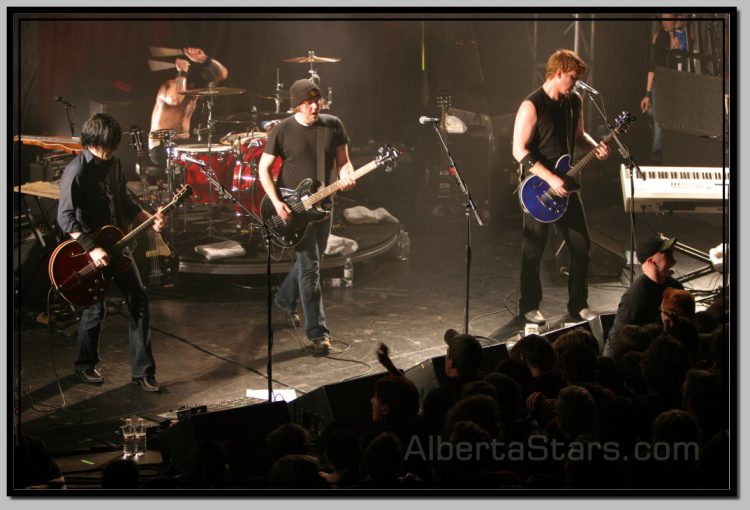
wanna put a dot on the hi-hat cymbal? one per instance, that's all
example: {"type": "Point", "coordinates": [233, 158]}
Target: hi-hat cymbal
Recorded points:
{"type": "Point", "coordinates": [250, 117]}
{"type": "Point", "coordinates": [213, 91]}
{"type": "Point", "coordinates": [311, 58]}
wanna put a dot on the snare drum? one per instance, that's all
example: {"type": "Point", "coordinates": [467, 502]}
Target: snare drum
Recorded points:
{"type": "Point", "coordinates": [246, 186]}
{"type": "Point", "coordinates": [221, 162]}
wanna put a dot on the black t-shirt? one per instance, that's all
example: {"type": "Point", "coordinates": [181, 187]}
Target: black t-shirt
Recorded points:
{"type": "Point", "coordinates": [297, 146]}
{"type": "Point", "coordinates": [556, 123]}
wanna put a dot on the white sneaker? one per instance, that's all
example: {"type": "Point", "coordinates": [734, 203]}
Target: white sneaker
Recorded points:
{"type": "Point", "coordinates": [588, 314]}
{"type": "Point", "coordinates": [534, 316]}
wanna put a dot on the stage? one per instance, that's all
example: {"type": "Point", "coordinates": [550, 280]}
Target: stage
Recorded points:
{"type": "Point", "coordinates": [210, 334]}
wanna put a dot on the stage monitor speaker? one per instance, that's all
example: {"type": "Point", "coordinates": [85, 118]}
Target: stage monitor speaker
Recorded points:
{"type": "Point", "coordinates": [242, 431]}
{"type": "Point", "coordinates": [430, 374]}
{"type": "Point", "coordinates": [346, 402]}
{"type": "Point", "coordinates": [553, 335]}
{"type": "Point", "coordinates": [600, 327]}
{"type": "Point", "coordinates": [689, 103]}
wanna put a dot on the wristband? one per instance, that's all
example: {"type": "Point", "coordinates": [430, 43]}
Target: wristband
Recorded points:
{"type": "Point", "coordinates": [648, 94]}
{"type": "Point", "coordinates": [528, 161]}
{"type": "Point", "coordinates": [86, 241]}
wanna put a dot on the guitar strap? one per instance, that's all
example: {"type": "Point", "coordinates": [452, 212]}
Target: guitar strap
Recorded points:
{"type": "Point", "coordinates": [320, 135]}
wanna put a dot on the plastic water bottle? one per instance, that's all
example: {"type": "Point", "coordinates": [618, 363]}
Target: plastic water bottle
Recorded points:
{"type": "Point", "coordinates": [128, 439]}
{"type": "Point", "coordinates": [404, 245]}
{"type": "Point", "coordinates": [139, 443]}
{"type": "Point", "coordinates": [348, 279]}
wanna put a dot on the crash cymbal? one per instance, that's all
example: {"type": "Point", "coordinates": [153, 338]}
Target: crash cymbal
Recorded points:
{"type": "Point", "coordinates": [213, 91]}
{"type": "Point", "coordinates": [272, 97]}
{"type": "Point", "coordinates": [311, 58]}
{"type": "Point", "coordinates": [250, 117]}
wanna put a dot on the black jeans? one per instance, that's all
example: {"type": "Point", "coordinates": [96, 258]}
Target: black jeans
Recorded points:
{"type": "Point", "coordinates": [574, 230]}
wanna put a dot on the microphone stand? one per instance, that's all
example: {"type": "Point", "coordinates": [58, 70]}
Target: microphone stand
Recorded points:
{"type": "Point", "coordinates": [631, 165]}
{"type": "Point", "coordinates": [269, 234]}
{"type": "Point", "coordinates": [70, 121]}
{"type": "Point", "coordinates": [469, 206]}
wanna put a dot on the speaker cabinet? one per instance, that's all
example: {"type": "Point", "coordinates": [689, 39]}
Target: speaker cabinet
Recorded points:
{"type": "Point", "coordinates": [241, 430]}
{"type": "Point", "coordinates": [346, 402]}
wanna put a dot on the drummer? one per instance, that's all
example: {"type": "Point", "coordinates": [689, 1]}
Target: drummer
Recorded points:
{"type": "Point", "coordinates": [173, 110]}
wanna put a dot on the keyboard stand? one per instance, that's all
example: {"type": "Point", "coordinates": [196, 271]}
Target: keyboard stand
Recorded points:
{"type": "Point", "coordinates": [695, 254]}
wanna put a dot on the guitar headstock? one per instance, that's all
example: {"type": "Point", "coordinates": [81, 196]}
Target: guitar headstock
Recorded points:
{"type": "Point", "coordinates": [624, 121]}
{"type": "Point", "coordinates": [387, 155]}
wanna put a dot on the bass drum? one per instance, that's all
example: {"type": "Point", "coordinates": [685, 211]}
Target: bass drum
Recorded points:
{"type": "Point", "coordinates": [246, 186]}
{"type": "Point", "coordinates": [221, 161]}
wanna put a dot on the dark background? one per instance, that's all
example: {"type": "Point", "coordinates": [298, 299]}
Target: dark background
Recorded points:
{"type": "Point", "coordinates": [380, 87]}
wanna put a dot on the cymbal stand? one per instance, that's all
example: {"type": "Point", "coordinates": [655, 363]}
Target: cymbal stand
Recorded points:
{"type": "Point", "coordinates": [314, 76]}
{"type": "Point", "coordinates": [169, 148]}
{"type": "Point", "coordinates": [209, 130]}
{"type": "Point", "coordinates": [279, 89]}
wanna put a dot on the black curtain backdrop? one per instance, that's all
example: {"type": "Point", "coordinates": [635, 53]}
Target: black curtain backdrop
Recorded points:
{"type": "Point", "coordinates": [380, 87]}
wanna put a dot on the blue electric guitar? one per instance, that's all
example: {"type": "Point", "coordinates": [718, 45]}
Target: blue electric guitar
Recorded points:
{"type": "Point", "coordinates": [535, 194]}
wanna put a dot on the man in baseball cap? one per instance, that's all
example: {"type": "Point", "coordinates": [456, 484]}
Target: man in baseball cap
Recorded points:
{"type": "Point", "coordinates": [306, 140]}
{"type": "Point", "coordinates": [641, 302]}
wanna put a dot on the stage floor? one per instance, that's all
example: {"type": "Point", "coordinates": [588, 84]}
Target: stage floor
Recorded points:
{"type": "Point", "coordinates": [209, 331]}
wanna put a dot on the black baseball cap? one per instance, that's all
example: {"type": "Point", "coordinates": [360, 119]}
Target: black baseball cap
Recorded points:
{"type": "Point", "coordinates": [651, 245]}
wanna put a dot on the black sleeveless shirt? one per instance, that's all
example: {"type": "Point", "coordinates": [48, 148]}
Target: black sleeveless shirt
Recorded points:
{"type": "Point", "coordinates": [555, 129]}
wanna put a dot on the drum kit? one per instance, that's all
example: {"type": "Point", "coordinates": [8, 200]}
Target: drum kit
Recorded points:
{"type": "Point", "coordinates": [233, 161]}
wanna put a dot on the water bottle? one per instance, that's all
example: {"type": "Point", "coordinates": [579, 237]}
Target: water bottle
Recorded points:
{"type": "Point", "coordinates": [404, 245]}
{"type": "Point", "coordinates": [139, 443]}
{"type": "Point", "coordinates": [348, 279]}
{"type": "Point", "coordinates": [128, 439]}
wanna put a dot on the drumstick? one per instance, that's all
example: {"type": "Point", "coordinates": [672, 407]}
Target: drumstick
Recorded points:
{"type": "Point", "coordinates": [159, 52]}
{"type": "Point", "coordinates": [157, 65]}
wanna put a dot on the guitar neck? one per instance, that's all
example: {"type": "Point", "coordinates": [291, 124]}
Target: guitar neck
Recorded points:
{"type": "Point", "coordinates": [336, 186]}
{"type": "Point", "coordinates": [140, 229]}
{"type": "Point", "coordinates": [590, 156]}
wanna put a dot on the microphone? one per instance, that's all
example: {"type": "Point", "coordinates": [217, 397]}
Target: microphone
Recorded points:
{"type": "Point", "coordinates": [59, 99]}
{"type": "Point", "coordinates": [428, 120]}
{"type": "Point", "coordinates": [186, 158]}
{"type": "Point", "coordinates": [582, 85]}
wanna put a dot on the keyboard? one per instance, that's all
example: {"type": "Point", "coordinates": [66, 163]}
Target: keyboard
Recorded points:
{"type": "Point", "coordinates": [677, 189]}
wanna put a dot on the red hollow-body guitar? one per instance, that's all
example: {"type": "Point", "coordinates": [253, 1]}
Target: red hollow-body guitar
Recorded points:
{"type": "Point", "coordinates": [74, 275]}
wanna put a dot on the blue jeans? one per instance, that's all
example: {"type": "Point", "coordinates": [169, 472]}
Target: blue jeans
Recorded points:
{"type": "Point", "coordinates": [303, 280]}
{"type": "Point", "coordinates": [89, 329]}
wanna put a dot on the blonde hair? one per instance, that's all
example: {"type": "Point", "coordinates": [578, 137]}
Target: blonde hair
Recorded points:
{"type": "Point", "coordinates": [565, 60]}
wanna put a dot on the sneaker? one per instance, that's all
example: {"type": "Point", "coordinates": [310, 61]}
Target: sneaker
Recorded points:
{"type": "Point", "coordinates": [147, 383]}
{"type": "Point", "coordinates": [534, 316]}
{"type": "Point", "coordinates": [90, 376]}
{"type": "Point", "coordinates": [292, 318]}
{"type": "Point", "coordinates": [587, 314]}
{"type": "Point", "coordinates": [321, 344]}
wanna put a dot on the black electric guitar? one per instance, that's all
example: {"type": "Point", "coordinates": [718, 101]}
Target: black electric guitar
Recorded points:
{"type": "Point", "coordinates": [73, 273]}
{"type": "Point", "coordinates": [536, 196]}
{"type": "Point", "coordinates": [308, 202]}
{"type": "Point", "coordinates": [156, 260]}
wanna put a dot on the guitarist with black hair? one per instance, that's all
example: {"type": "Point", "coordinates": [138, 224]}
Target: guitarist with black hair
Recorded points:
{"type": "Point", "coordinates": [92, 196]}
{"type": "Point", "coordinates": [312, 146]}
{"type": "Point", "coordinates": [549, 125]}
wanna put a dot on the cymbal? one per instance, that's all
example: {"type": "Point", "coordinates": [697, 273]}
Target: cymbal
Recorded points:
{"type": "Point", "coordinates": [250, 117]}
{"type": "Point", "coordinates": [272, 97]}
{"type": "Point", "coordinates": [241, 138]}
{"type": "Point", "coordinates": [213, 91]}
{"type": "Point", "coordinates": [311, 58]}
